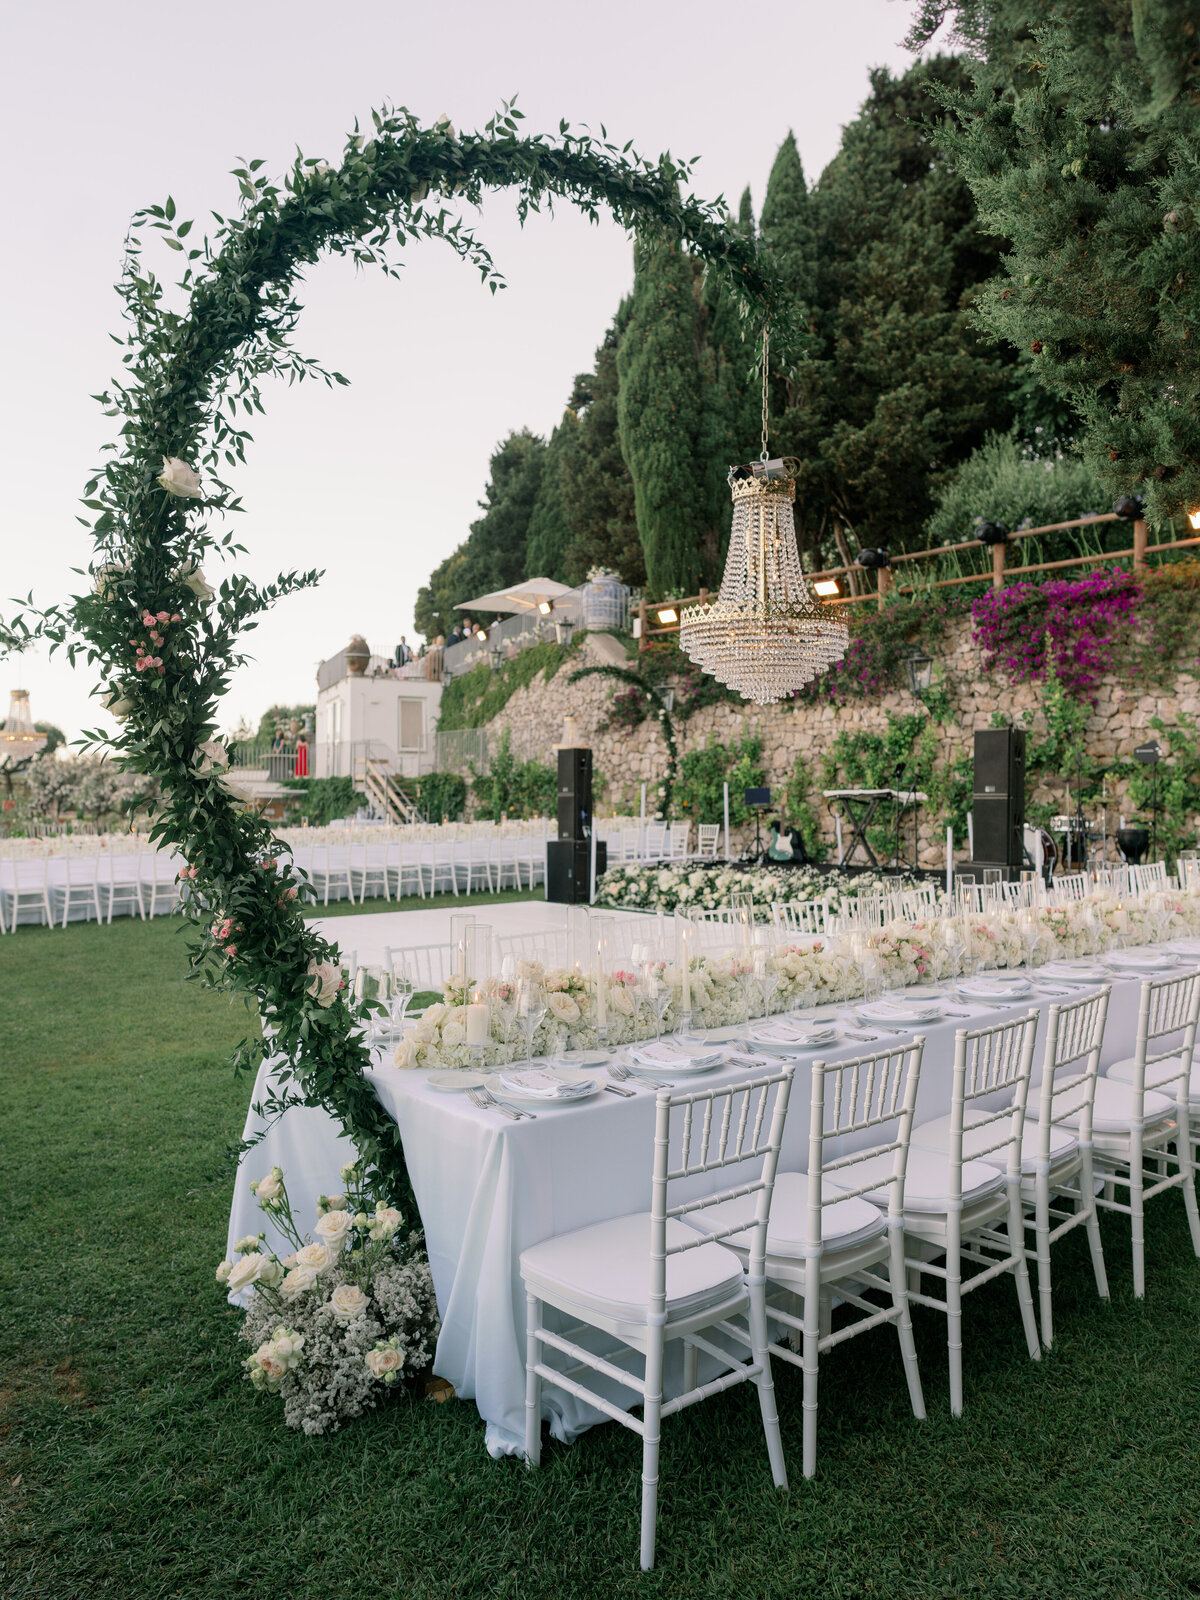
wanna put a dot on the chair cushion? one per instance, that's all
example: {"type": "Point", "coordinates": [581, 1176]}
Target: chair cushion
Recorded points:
{"type": "Point", "coordinates": [607, 1267]}
{"type": "Point", "coordinates": [1159, 1072]}
{"type": "Point", "coordinates": [935, 1135]}
{"type": "Point", "coordinates": [1113, 1110]}
{"type": "Point", "coordinates": [926, 1182]}
{"type": "Point", "coordinates": [843, 1222]}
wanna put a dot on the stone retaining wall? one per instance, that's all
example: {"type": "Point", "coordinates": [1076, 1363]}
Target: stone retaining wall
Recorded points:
{"type": "Point", "coordinates": [628, 758]}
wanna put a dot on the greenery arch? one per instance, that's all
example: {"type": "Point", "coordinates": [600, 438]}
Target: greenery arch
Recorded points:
{"type": "Point", "coordinates": [163, 642]}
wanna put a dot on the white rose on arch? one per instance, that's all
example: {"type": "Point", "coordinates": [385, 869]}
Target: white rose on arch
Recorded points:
{"type": "Point", "coordinates": [211, 756]}
{"type": "Point", "coordinates": [179, 479]}
{"type": "Point", "coordinates": [193, 578]}
{"type": "Point", "coordinates": [117, 705]}
{"type": "Point", "coordinates": [326, 981]}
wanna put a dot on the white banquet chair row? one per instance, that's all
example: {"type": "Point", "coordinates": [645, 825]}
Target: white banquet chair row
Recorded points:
{"type": "Point", "coordinates": [932, 1200]}
{"type": "Point", "coordinates": [98, 885]}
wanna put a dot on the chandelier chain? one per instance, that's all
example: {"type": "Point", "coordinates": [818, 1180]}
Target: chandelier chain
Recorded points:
{"type": "Point", "coordinates": [766, 354]}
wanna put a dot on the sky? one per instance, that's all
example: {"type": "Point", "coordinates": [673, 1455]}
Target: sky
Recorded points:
{"type": "Point", "coordinates": [104, 109]}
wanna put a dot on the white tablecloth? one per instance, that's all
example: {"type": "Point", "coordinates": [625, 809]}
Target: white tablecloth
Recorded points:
{"type": "Point", "coordinates": [488, 1188]}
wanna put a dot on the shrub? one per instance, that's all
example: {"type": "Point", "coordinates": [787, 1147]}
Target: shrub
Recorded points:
{"type": "Point", "coordinates": [1001, 483]}
{"type": "Point", "coordinates": [441, 795]}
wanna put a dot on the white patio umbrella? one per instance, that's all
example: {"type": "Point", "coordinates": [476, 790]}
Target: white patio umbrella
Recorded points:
{"type": "Point", "coordinates": [528, 596]}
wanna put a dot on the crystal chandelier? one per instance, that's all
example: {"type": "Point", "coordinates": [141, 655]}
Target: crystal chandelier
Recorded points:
{"type": "Point", "coordinates": [764, 635]}
{"type": "Point", "coordinates": [19, 739]}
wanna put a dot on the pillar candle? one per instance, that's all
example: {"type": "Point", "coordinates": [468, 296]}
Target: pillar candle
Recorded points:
{"type": "Point", "coordinates": [477, 1024]}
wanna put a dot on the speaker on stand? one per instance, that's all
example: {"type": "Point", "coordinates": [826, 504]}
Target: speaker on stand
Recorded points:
{"type": "Point", "coordinates": [569, 857]}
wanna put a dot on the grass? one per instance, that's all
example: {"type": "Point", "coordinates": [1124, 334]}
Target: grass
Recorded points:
{"type": "Point", "coordinates": [136, 1462]}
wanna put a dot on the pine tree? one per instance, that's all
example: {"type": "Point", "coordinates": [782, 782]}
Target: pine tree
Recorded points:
{"type": "Point", "coordinates": [1079, 138]}
{"type": "Point", "coordinates": [659, 415]}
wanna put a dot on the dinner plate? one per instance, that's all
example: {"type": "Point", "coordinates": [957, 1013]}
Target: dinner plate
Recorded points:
{"type": "Point", "coordinates": [792, 1047]}
{"type": "Point", "coordinates": [1184, 947]}
{"type": "Point", "coordinates": [456, 1082]}
{"type": "Point", "coordinates": [1140, 960]}
{"type": "Point", "coordinates": [585, 1058]}
{"type": "Point", "coordinates": [1067, 972]}
{"type": "Point", "coordinates": [567, 1074]}
{"type": "Point", "coordinates": [885, 1011]}
{"type": "Point", "coordinates": [684, 1067]}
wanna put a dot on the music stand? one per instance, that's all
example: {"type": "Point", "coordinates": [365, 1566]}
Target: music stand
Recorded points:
{"type": "Point", "coordinates": [757, 800]}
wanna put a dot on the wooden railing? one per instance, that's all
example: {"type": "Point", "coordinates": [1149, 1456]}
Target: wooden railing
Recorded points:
{"type": "Point", "coordinates": [1000, 573]}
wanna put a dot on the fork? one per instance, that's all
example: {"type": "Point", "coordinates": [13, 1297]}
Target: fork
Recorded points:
{"type": "Point", "coordinates": [504, 1105]}
{"type": "Point", "coordinates": [476, 1097]}
{"type": "Point", "coordinates": [623, 1074]}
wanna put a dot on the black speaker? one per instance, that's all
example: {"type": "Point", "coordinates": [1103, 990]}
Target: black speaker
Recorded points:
{"type": "Point", "coordinates": [998, 820]}
{"type": "Point", "coordinates": [574, 794]}
{"type": "Point", "coordinates": [569, 869]}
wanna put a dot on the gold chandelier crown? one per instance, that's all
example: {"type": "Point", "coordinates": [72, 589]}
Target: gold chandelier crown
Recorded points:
{"type": "Point", "coordinates": [764, 635]}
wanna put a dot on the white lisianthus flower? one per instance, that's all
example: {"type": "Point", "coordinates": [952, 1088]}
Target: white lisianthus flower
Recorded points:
{"type": "Point", "coordinates": [223, 1271]}
{"type": "Point", "coordinates": [384, 1359]}
{"type": "Point", "coordinates": [334, 1226]}
{"type": "Point", "coordinates": [251, 1240]}
{"type": "Point", "coordinates": [211, 756]}
{"type": "Point", "coordinates": [192, 578]}
{"type": "Point", "coordinates": [326, 981]}
{"type": "Point", "coordinates": [562, 1008]}
{"type": "Point", "coordinates": [347, 1302]}
{"type": "Point", "coordinates": [178, 478]}
{"type": "Point", "coordinates": [317, 1256]}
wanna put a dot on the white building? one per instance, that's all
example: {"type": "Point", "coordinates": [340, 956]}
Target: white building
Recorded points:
{"type": "Point", "coordinates": [373, 718]}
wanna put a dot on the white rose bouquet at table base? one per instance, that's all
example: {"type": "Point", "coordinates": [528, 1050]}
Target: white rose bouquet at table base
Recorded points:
{"type": "Point", "coordinates": [821, 972]}
{"type": "Point", "coordinates": [342, 1319]}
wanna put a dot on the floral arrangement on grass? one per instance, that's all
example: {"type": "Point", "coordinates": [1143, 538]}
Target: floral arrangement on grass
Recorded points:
{"type": "Point", "coordinates": [342, 1319]}
{"type": "Point", "coordinates": [727, 987]}
{"type": "Point", "coordinates": [692, 887]}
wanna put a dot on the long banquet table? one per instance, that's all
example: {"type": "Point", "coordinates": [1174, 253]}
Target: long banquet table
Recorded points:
{"type": "Point", "coordinates": [488, 1188]}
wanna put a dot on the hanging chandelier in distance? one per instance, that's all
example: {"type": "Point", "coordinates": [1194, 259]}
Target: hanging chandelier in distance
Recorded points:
{"type": "Point", "coordinates": [764, 635]}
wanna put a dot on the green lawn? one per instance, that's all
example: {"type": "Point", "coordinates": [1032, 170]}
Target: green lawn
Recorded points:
{"type": "Point", "coordinates": [137, 1462]}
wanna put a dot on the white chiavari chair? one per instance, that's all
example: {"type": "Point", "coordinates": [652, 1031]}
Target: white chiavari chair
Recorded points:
{"type": "Point", "coordinates": [330, 869]}
{"type": "Point", "coordinates": [120, 882]}
{"type": "Point", "coordinates": [1057, 1148]}
{"type": "Point", "coordinates": [678, 835]}
{"type": "Point", "coordinates": [547, 945]}
{"type": "Point", "coordinates": [159, 871]}
{"type": "Point", "coordinates": [28, 886]}
{"type": "Point", "coordinates": [1143, 1113]}
{"type": "Point", "coordinates": [648, 1279]}
{"type": "Point", "coordinates": [824, 1238]}
{"type": "Point", "coordinates": [964, 1182]}
{"type": "Point", "coordinates": [403, 866]}
{"type": "Point", "coordinates": [438, 865]}
{"type": "Point", "coordinates": [369, 871]}
{"type": "Point", "coordinates": [654, 846]}
{"type": "Point", "coordinates": [429, 965]}
{"type": "Point", "coordinates": [799, 917]}
{"type": "Point", "coordinates": [78, 884]}
{"type": "Point", "coordinates": [708, 840]}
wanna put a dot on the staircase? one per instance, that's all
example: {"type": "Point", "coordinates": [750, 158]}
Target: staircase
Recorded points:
{"type": "Point", "coordinates": [375, 776]}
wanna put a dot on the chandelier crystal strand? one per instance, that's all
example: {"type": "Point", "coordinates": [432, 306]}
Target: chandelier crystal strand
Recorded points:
{"type": "Point", "coordinates": [764, 635]}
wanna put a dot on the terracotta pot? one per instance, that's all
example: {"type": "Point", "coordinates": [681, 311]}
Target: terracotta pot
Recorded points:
{"type": "Point", "coordinates": [358, 656]}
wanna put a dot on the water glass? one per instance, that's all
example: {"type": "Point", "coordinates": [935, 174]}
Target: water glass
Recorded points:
{"type": "Point", "coordinates": [531, 1005]}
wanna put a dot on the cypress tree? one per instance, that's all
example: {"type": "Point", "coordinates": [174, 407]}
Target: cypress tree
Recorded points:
{"type": "Point", "coordinates": [659, 415]}
{"type": "Point", "coordinates": [897, 389]}
{"type": "Point", "coordinates": [1078, 136]}
{"type": "Point", "coordinates": [548, 537]}
{"type": "Point", "coordinates": [786, 225]}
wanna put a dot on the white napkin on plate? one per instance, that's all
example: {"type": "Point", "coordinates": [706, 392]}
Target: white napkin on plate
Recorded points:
{"type": "Point", "coordinates": [544, 1084]}
{"type": "Point", "coordinates": [781, 1032]}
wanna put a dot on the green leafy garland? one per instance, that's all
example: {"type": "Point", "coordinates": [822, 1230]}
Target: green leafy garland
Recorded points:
{"type": "Point", "coordinates": [164, 643]}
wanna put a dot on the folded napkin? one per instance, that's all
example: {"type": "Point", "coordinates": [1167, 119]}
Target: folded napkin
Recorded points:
{"type": "Point", "coordinates": [544, 1084]}
{"type": "Point", "coordinates": [793, 1032]}
{"type": "Point", "coordinates": [899, 1009]}
{"type": "Point", "coordinates": [996, 985]}
{"type": "Point", "coordinates": [1186, 947]}
{"type": "Point", "coordinates": [1065, 972]}
{"type": "Point", "coordinates": [663, 1053]}
{"type": "Point", "coordinates": [1139, 958]}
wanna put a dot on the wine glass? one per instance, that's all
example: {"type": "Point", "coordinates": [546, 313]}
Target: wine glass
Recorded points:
{"type": "Point", "coordinates": [370, 989]}
{"type": "Point", "coordinates": [530, 1005]}
{"type": "Point", "coordinates": [1030, 931]}
{"type": "Point", "coordinates": [657, 991]}
{"type": "Point", "coordinates": [402, 988]}
{"type": "Point", "coordinates": [766, 976]}
{"type": "Point", "coordinates": [742, 968]}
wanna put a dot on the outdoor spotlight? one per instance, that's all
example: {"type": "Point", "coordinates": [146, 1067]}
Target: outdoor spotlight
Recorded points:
{"type": "Point", "coordinates": [871, 558]}
{"type": "Point", "coordinates": [668, 700]}
{"type": "Point", "coordinates": [668, 615]}
{"type": "Point", "coordinates": [563, 630]}
{"type": "Point", "coordinates": [826, 587]}
{"type": "Point", "coordinates": [990, 532]}
{"type": "Point", "coordinates": [1194, 518]}
{"type": "Point", "coordinates": [1128, 507]}
{"type": "Point", "coordinates": [545, 607]}
{"type": "Point", "coordinates": [919, 667]}
{"type": "Point", "coordinates": [496, 657]}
